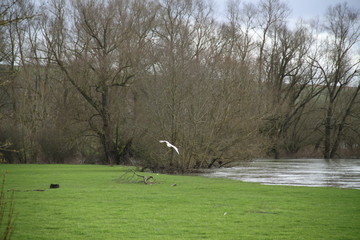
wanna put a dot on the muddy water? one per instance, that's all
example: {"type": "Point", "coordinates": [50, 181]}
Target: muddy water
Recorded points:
{"type": "Point", "coordinates": [342, 173]}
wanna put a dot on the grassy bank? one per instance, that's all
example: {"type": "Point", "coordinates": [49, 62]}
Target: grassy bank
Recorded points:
{"type": "Point", "coordinates": [102, 202]}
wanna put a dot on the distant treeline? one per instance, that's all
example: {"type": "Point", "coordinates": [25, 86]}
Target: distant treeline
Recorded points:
{"type": "Point", "coordinates": [87, 81]}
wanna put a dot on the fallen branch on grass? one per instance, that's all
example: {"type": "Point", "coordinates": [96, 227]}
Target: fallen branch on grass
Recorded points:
{"type": "Point", "coordinates": [147, 179]}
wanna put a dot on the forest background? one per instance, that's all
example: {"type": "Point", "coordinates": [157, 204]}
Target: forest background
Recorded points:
{"type": "Point", "coordinates": [87, 81]}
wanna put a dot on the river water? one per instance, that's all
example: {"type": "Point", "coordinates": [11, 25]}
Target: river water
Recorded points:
{"type": "Point", "coordinates": [341, 173]}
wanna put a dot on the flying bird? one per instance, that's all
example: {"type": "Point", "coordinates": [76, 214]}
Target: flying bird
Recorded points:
{"type": "Point", "coordinates": [170, 145]}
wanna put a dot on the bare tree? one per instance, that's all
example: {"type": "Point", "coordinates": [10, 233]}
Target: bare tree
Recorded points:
{"type": "Point", "coordinates": [113, 77]}
{"type": "Point", "coordinates": [99, 56]}
{"type": "Point", "coordinates": [272, 15]}
{"type": "Point", "coordinates": [339, 71]}
{"type": "Point", "coordinates": [292, 84]}
{"type": "Point", "coordinates": [181, 39]}
{"type": "Point", "coordinates": [19, 120]}
{"type": "Point", "coordinates": [199, 92]}
{"type": "Point", "coordinates": [286, 81]}
{"type": "Point", "coordinates": [238, 32]}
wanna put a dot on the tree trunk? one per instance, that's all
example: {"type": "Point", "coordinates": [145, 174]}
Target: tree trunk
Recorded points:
{"type": "Point", "coordinates": [328, 127]}
{"type": "Point", "coordinates": [111, 153]}
{"type": "Point", "coordinates": [126, 153]}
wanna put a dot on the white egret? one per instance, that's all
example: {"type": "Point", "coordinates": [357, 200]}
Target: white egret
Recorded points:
{"type": "Point", "coordinates": [170, 145]}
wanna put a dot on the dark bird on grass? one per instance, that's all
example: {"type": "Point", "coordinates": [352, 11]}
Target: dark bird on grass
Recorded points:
{"type": "Point", "coordinates": [170, 145]}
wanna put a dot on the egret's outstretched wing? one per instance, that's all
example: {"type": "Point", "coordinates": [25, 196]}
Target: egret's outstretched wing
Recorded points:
{"type": "Point", "coordinates": [170, 145]}
{"type": "Point", "coordinates": [176, 149]}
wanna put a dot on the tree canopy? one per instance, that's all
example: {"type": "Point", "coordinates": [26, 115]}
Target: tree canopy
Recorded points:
{"type": "Point", "coordinates": [87, 81]}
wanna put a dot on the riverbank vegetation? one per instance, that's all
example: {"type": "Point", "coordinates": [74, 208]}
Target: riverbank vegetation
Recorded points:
{"type": "Point", "coordinates": [88, 81]}
{"type": "Point", "coordinates": [103, 202]}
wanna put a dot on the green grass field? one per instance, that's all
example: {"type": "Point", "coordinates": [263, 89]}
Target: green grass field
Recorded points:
{"type": "Point", "coordinates": [103, 202]}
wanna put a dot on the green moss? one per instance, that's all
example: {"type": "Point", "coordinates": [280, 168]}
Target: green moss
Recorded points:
{"type": "Point", "coordinates": [102, 202]}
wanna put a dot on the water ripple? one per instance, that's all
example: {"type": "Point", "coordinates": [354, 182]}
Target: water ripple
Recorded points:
{"type": "Point", "coordinates": [341, 173]}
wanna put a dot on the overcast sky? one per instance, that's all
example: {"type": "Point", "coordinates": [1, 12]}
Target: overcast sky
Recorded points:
{"type": "Point", "coordinates": [301, 8]}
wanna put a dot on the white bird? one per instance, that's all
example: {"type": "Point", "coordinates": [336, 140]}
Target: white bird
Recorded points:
{"type": "Point", "coordinates": [170, 145]}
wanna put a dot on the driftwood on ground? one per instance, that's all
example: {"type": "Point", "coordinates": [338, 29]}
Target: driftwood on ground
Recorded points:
{"type": "Point", "coordinates": [147, 179]}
